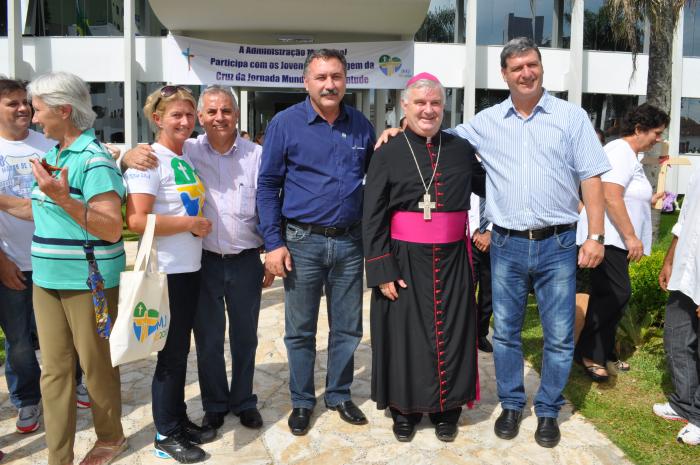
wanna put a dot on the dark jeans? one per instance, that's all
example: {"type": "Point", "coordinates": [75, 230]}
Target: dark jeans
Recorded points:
{"type": "Point", "coordinates": [482, 275]}
{"type": "Point", "coordinates": [336, 264]}
{"type": "Point", "coordinates": [228, 286]}
{"type": "Point", "coordinates": [681, 333]}
{"type": "Point", "coordinates": [17, 321]}
{"type": "Point", "coordinates": [610, 292]}
{"type": "Point", "coordinates": [168, 387]}
{"type": "Point", "coordinates": [550, 266]}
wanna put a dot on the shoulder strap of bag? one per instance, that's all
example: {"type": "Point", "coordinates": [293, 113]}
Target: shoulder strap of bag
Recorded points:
{"type": "Point", "coordinates": [147, 255]}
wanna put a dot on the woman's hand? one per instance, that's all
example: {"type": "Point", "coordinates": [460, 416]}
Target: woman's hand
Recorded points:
{"type": "Point", "coordinates": [635, 249]}
{"type": "Point", "coordinates": [56, 188]}
{"type": "Point", "coordinates": [200, 226]}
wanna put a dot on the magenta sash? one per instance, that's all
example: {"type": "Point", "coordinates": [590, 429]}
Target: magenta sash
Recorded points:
{"type": "Point", "coordinates": [443, 228]}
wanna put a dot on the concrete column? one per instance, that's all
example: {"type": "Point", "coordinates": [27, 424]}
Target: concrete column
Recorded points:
{"type": "Point", "coordinates": [398, 109]}
{"type": "Point", "coordinates": [674, 129]}
{"type": "Point", "coordinates": [366, 104]}
{"type": "Point", "coordinates": [380, 109]}
{"type": "Point", "coordinates": [243, 103]}
{"type": "Point", "coordinates": [14, 39]}
{"type": "Point", "coordinates": [575, 76]}
{"type": "Point", "coordinates": [469, 78]}
{"type": "Point", "coordinates": [131, 132]}
{"type": "Point", "coordinates": [557, 23]}
{"type": "Point", "coordinates": [645, 50]}
{"type": "Point", "coordinates": [454, 107]}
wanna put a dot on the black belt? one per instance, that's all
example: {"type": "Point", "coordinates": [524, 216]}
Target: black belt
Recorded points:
{"type": "Point", "coordinates": [227, 256]}
{"type": "Point", "coordinates": [328, 231]}
{"type": "Point", "coordinates": [536, 234]}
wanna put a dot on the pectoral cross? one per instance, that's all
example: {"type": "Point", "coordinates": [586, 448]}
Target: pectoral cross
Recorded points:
{"type": "Point", "coordinates": [426, 205]}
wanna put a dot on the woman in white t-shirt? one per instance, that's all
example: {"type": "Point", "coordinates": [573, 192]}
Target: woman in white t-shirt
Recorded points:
{"type": "Point", "coordinates": [174, 192]}
{"type": "Point", "coordinates": [628, 200]}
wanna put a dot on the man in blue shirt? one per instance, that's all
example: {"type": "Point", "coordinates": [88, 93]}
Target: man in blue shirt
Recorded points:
{"type": "Point", "coordinates": [536, 150]}
{"type": "Point", "coordinates": [316, 153]}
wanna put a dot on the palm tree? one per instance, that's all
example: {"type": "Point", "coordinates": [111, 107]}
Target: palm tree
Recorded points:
{"type": "Point", "coordinates": [662, 16]}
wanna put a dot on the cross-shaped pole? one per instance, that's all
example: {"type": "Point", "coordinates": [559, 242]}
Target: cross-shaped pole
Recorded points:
{"type": "Point", "coordinates": [665, 161]}
{"type": "Point", "coordinates": [426, 205]}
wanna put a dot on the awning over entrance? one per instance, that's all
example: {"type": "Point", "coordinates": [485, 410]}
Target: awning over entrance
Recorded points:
{"type": "Point", "coordinates": [290, 22]}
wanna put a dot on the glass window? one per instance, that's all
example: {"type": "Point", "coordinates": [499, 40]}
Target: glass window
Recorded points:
{"type": "Point", "coordinates": [690, 126]}
{"type": "Point", "coordinates": [3, 18]}
{"type": "Point", "coordinates": [108, 104]}
{"type": "Point", "coordinates": [74, 18]}
{"type": "Point", "coordinates": [486, 98]}
{"type": "Point", "coordinates": [597, 29]}
{"type": "Point", "coordinates": [691, 32]}
{"type": "Point", "coordinates": [499, 21]}
{"type": "Point", "coordinates": [147, 23]}
{"type": "Point", "coordinates": [606, 111]}
{"type": "Point", "coordinates": [439, 24]}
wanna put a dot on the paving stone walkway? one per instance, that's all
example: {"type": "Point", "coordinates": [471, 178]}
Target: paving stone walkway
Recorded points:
{"type": "Point", "coordinates": [330, 440]}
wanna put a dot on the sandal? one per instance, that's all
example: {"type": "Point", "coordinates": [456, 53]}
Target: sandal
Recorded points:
{"type": "Point", "coordinates": [103, 453]}
{"type": "Point", "coordinates": [621, 366]}
{"type": "Point", "coordinates": [592, 371]}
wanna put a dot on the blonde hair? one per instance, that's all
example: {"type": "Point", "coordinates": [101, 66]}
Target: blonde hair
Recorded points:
{"type": "Point", "coordinates": [156, 103]}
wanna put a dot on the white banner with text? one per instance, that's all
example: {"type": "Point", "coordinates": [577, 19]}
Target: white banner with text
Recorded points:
{"type": "Point", "coordinates": [371, 65]}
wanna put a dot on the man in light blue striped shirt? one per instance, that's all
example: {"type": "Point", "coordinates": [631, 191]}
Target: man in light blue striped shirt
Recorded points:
{"type": "Point", "coordinates": [537, 150]}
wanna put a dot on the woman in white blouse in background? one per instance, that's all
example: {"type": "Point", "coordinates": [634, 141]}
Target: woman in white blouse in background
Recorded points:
{"type": "Point", "coordinates": [628, 200]}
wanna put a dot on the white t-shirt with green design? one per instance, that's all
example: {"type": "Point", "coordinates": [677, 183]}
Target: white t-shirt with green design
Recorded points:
{"type": "Point", "coordinates": [178, 191]}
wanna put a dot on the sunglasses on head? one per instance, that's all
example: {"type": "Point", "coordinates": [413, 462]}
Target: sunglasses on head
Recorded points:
{"type": "Point", "coordinates": [169, 91]}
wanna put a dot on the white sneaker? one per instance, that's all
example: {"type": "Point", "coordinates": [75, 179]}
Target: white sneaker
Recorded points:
{"type": "Point", "coordinates": [689, 434]}
{"type": "Point", "coordinates": [666, 412]}
{"type": "Point", "coordinates": [28, 419]}
{"type": "Point", "coordinates": [81, 396]}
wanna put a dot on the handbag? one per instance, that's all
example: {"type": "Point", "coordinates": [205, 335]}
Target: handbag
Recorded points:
{"type": "Point", "coordinates": [143, 317]}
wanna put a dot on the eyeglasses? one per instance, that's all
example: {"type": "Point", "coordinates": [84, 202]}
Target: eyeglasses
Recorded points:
{"type": "Point", "coordinates": [169, 91]}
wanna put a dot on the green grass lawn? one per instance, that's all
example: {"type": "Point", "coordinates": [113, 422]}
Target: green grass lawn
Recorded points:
{"type": "Point", "coordinates": [621, 408]}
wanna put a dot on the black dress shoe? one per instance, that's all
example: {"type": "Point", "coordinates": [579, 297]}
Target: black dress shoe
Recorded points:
{"type": "Point", "coordinates": [547, 433]}
{"type": "Point", "coordinates": [250, 418]}
{"type": "Point", "coordinates": [508, 423]}
{"type": "Point", "coordinates": [349, 412]}
{"type": "Point", "coordinates": [299, 421]}
{"type": "Point", "coordinates": [404, 431]}
{"type": "Point", "coordinates": [198, 434]}
{"type": "Point", "coordinates": [485, 345]}
{"type": "Point", "coordinates": [446, 431]}
{"type": "Point", "coordinates": [213, 420]}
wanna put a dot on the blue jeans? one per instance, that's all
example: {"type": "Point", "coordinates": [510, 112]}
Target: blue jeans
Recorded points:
{"type": "Point", "coordinates": [237, 281]}
{"type": "Point", "coordinates": [22, 369]}
{"type": "Point", "coordinates": [550, 265]}
{"type": "Point", "coordinates": [336, 265]}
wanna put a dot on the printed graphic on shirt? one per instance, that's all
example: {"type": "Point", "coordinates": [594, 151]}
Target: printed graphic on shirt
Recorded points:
{"type": "Point", "coordinates": [189, 186]}
{"type": "Point", "coordinates": [16, 175]}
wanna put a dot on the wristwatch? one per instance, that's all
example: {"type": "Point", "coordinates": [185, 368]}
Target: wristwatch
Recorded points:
{"type": "Point", "coordinates": [599, 238]}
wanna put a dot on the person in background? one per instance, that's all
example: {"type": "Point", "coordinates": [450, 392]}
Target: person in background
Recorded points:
{"type": "Point", "coordinates": [76, 199]}
{"type": "Point", "coordinates": [681, 277]}
{"type": "Point", "coordinates": [628, 201]}
{"type": "Point", "coordinates": [245, 135]}
{"type": "Point", "coordinates": [260, 138]}
{"type": "Point", "coordinates": [175, 194]}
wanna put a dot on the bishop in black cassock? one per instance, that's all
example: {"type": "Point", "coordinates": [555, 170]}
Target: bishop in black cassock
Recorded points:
{"type": "Point", "coordinates": [423, 316]}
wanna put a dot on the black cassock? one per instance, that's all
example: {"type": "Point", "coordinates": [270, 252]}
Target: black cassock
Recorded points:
{"type": "Point", "coordinates": [424, 355]}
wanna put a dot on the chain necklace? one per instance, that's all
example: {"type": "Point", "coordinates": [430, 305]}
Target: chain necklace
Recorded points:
{"type": "Point", "coordinates": [427, 204]}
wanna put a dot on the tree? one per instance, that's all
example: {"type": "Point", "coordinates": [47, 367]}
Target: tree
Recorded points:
{"type": "Point", "coordinates": [438, 26]}
{"type": "Point", "coordinates": [662, 16]}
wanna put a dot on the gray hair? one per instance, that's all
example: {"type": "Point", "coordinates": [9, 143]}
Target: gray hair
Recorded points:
{"type": "Point", "coordinates": [518, 46]}
{"type": "Point", "coordinates": [326, 54]}
{"type": "Point", "coordinates": [420, 83]}
{"type": "Point", "coordinates": [217, 89]}
{"type": "Point", "coordinates": [60, 88]}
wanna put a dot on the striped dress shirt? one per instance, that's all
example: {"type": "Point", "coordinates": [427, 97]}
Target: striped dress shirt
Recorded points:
{"type": "Point", "coordinates": [534, 165]}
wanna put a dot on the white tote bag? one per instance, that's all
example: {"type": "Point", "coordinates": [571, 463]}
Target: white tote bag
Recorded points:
{"type": "Point", "coordinates": [143, 317]}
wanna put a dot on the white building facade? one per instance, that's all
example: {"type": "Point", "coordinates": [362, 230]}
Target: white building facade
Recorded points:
{"type": "Point", "coordinates": [118, 47]}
